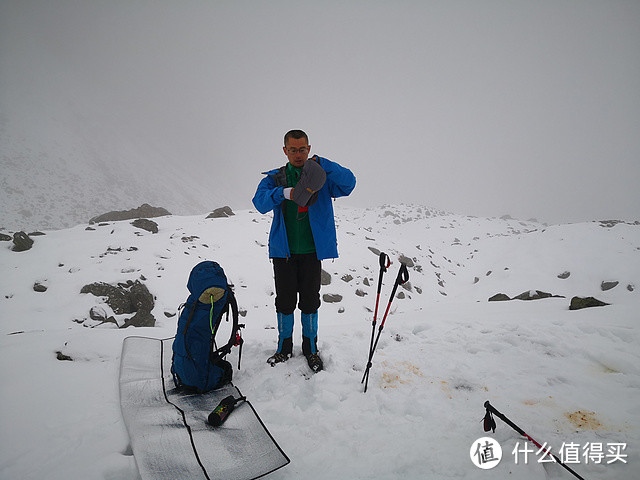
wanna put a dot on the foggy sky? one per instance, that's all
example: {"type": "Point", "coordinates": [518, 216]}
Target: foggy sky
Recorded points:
{"type": "Point", "coordinates": [478, 107]}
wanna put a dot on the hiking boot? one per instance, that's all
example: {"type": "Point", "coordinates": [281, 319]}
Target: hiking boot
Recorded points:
{"type": "Point", "coordinates": [278, 358]}
{"type": "Point", "coordinates": [315, 362]}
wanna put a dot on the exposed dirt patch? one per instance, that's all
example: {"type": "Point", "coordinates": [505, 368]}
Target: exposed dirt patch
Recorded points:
{"type": "Point", "coordinates": [584, 420]}
{"type": "Point", "coordinates": [404, 371]}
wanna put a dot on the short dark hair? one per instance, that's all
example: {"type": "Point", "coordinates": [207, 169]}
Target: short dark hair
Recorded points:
{"type": "Point", "coordinates": [297, 134]}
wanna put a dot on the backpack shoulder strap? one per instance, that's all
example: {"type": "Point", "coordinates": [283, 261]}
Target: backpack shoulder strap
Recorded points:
{"type": "Point", "coordinates": [232, 305]}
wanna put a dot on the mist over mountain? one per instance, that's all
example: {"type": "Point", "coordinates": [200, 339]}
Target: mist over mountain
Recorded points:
{"type": "Point", "coordinates": [63, 175]}
{"type": "Point", "coordinates": [479, 108]}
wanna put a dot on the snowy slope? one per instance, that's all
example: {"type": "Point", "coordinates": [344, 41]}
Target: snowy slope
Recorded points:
{"type": "Point", "coordinates": [563, 376]}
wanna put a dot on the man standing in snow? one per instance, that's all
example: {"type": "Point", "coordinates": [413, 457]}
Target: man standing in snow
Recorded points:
{"type": "Point", "coordinates": [303, 233]}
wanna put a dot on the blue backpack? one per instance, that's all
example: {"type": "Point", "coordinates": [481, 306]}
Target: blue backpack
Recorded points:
{"type": "Point", "coordinates": [198, 363]}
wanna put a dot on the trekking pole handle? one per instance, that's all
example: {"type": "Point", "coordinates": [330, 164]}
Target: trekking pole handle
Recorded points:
{"type": "Point", "coordinates": [502, 417]}
{"type": "Point", "coordinates": [403, 274]}
{"type": "Point", "coordinates": [403, 277]}
{"type": "Point", "coordinates": [385, 261]}
{"type": "Point", "coordinates": [493, 410]}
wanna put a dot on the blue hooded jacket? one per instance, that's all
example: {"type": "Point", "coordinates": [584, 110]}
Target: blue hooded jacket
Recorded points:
{"type": "Point", "coordinates": [269, 196]}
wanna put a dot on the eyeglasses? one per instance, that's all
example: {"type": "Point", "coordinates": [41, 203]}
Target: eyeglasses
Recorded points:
{"type": "Point", "coordinates": [294, 151]}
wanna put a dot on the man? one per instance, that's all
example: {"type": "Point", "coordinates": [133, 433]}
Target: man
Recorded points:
{"type": "Point", "coordinates": [303, 232]}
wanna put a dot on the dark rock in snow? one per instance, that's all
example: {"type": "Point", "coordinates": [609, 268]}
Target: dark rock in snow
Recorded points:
{"type": "Point", "coordinates": [221, 212]}
{"type": "Point", "coordinates": [331, 298]}
{"type": "Point", "coordinates": [528, 295]}
{"type": "Point", "coordinates": [130, 297]}
{"type": "Point", "coordinates": [117, 298]}
{"type": "Point", "coordinates": [4, 237]}
{"type": "Point", "coordinates": [140, 319]}
{"type": "Point", "coordinates": [143, 211]}
{"type": "Point", "coordinates": [408, 287]}
{"type": "Point", "coordinates": [532, 295]}
{"type": "Point", "coordinates": [325, 277]}
{"type": "Point", "coordinates": [499, 297]}
{"type": "Point", "coordinates": [146, 224]}
{"type": "Point", "coordinates": [61, 356]}
{"type": "Point", "coordinates": [537, 295]}
{"type": "Point", "coordinates": [38, 287]}
{"type": "Point", "coordinates": [99, 313]}
{"type": "Point", "coordinates": [141, 298]}
{"type": "Point", "coordinates": [564, 275]}
{"type": "Point", "coordinates": [578, 303]}
{"type": "Point", "coordinates": [404, 260]}
{"type": "Point", "coordinates": [604, 286]}
{"type": "Point", "coordinates": [21, 242]}
{"type": "Point", "coordinates": [612, 223]}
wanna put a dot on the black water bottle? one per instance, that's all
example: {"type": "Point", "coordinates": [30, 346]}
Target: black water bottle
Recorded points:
{"type": "Point", "coordinates": [222, 411]}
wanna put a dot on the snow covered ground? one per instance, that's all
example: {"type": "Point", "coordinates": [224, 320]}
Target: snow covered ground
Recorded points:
{"type": "Point", "coordinates": [565, 377]}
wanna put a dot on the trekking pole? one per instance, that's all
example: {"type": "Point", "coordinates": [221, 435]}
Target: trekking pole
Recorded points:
{"type": "Point", "coordinates": [385, 262]}
{"type": "Point", "coordinates": [403, 277]}
{"type": "Point", "coordinates": [490, 424]}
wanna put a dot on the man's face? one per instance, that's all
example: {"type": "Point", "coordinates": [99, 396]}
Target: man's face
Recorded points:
{"type": "Point", "coordinates": [297, 151]}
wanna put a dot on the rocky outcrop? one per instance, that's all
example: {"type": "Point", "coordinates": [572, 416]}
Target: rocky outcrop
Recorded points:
{"type": "Point", "coordinates": [578, 303]}
{"type": "Point", "coordinates": [528, 295]}
{"type": "Point", "coordinates": [604, 286]}
{"type": "Point", "coordinates": [408, 262]}
{"type": "Point", "coordinates": [126, 298]}
{"type": "Point", "coordinates": [63, 357]}
{"type": "Point", "coordinates": [21, 242]}
{"type": "Point", "coordinates": [535, 295]}
{"type": "Point", "coordinates": [221, 212]}
{"type": "Point", "coordinates": [500, 297]}
{"type": "Point", "coordinates": [146, 224]}
{"type": "Point", "coordinates": [143, 211]}
{"type": "Point", "coordinates": [331, 298]}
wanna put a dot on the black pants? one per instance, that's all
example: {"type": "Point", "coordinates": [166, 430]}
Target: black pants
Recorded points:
{"type": "Point", "coordinates": [297, 275]}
